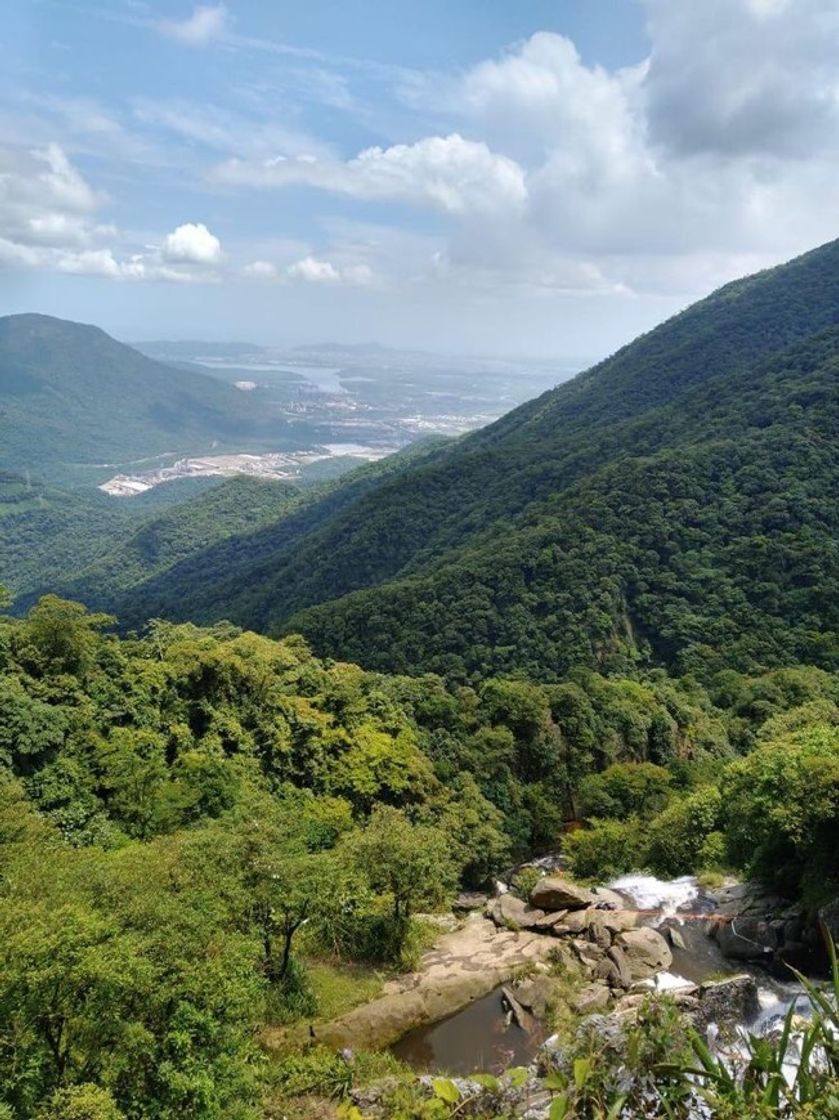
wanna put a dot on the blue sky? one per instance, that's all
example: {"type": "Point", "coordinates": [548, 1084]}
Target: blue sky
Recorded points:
{"type": "Point", "coordinates": [473, 175]}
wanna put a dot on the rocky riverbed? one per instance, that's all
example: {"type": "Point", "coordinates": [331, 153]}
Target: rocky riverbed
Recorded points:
{"type": "Point", "coordinates": [511, 961]}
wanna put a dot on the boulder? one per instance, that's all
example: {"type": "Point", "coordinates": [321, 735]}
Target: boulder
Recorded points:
{"type": "Point", "coordinates": [645, 950]}
{"type": "Point", "coordinates": [727, 1002]}
{"type": "Point", "coordinates": [623, 972]}
{"type": "Point", "coordinates": [591, 998]}
{"type": "Point", "coordinates": [549, 920]}
{"type": "Point", "coordinates": [597, 931]}
{"type": "Point", "coordinates": [747, 939]}
{"type": "Point", "coordinates": [616, 921]}
{"type": "Point", "coordinates": [510, 912]}
{"type": "Point", "coordinates": [572, 923]}
{"type": "Point", "coordinates": [537, 994]}
{"type": "Point", "coordinates": [556, 893]}
{"type": "Point", "coordinates": [606, 899]}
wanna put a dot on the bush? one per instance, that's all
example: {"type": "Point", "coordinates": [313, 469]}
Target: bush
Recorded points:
{"type": "Point", "coordinates": [677, 836]}
{"type": "Point", "coordinates": [605, 849]}
{"type": "Point", "coordinates": [81, 1102]}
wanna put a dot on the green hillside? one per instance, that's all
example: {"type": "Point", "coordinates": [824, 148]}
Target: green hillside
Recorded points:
{"type": "Point", "coordinates": [96, 547]}
{"type": "Point", "coordinates": [72, 396]}
{"type": "Point", "coordinates": [674, 504]}
{"type": "Point", "coordinates": [229, 509]}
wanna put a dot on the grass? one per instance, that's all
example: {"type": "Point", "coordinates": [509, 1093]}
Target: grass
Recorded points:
{"type": "Point", "coordinates": [339, 986]}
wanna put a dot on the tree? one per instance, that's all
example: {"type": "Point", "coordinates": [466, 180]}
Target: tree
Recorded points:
{"type": "Point", "coordinates": [410, 862]}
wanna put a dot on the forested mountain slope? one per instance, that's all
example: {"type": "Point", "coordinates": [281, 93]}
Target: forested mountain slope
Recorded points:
{"type": "Point", "coordinates": [652, 508]}
{"type": "Point", "coordinates": [96, 548]}
{"type": "Point", "coordinates": [71, 394]}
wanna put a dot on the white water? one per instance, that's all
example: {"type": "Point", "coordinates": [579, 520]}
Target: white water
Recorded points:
{"type": "Point", "coordinates": [665, 895]}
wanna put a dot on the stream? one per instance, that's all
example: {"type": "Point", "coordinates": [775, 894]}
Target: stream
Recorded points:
{"type": "Point", "coordinates": [480, 1037]}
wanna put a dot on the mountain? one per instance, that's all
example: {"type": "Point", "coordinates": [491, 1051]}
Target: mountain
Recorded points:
{"type": "Point", "coordinates": [71, 395]}
{"type": "Point", "coordinates": [96, 548]}
{"type": "Point", "coordinates": [673, 505]}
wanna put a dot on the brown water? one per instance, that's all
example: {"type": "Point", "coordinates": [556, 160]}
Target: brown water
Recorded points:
{"type": "Point", "coordinates": [476, 1039]}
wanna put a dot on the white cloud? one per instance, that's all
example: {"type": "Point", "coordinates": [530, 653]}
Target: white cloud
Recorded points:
{"type": "Point", "coordinates": [260, 270]}
{"type": "Point", "coordinates": [309, 270]}
{"type": "Point", "coordinates": [449, 174]}
{"type": "Point", "coordinates": [207, 22]}
{"type": "Point", "coordinates": [191, 243]}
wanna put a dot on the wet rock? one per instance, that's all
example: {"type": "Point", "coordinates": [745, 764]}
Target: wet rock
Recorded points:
{"type": "Point", "coordinates": [747, 938]}
{"type": "Point", "coordinates": [726, 1002]}
{"type": "Point", "coordinates": [606, 899]}
{"type": "Point", "coordinates": [675, 937]}
{"type": "Point", "coordinates": [537, 994]}
{"type": "Point", "coordinates": [646, 952]}
{"type": "Point", "coordinates": [591, 998]}
{"type": "Point", "coordinates": [555, 893]}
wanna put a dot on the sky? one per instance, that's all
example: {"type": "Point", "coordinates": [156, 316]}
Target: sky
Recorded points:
{"type": "Point", "coordinates": [538, 177]}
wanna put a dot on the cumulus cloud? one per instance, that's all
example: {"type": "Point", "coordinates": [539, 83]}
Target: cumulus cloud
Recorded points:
{"type": "Point", "coordinates": [191, 243]}
{"type": "Point", "coordinates": [48, 220]}
{"type": "Point", "coordinates": [207, 22]}
{"type": "Point", "coordinates": [45, 201]}
{"type": "Point", "coordinates": [445, 173]}
{"type": "Point", "coordinates": [720, 148]}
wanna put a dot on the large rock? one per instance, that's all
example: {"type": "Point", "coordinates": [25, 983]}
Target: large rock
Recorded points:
{"type": "Point", "coordinates": [646, 952]}
{"type": "Point", "coordinates": [591, 998]}
{"type": "Point", "coordinates": [747, 939]}
{"type": "Point", "coordinates": [623, 971]}
{"type": "Point", "coordinates": [616, 921]}
{"type": "Point", "coordinates": [555, 893]}
{"type": "Point", "coordinates": [538, 994]}
{"type": "Point", "coordinates": [511, 913]}
{"type": "Point", "coordinates": [574, 922]}
{"type": "Point", "coordinates": [727, 1002]}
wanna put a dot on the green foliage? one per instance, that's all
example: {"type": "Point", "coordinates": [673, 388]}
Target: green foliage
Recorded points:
{"type": "Point", "coordinates": [81, 1102]}
{"type": "Point", "coordinates": [625, 789]}
{"type": "Point", "coordinates": [679, 837]}
{"type": "Point", "coordinates": [782, 810]}
{"type": "Point", "coordinates": [605, 849]}
{"type": "Point", "coordinates": [410, 862]}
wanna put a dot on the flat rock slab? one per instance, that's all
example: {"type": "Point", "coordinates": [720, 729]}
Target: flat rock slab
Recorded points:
{"type": "Point", "coordinates": [463, 966]}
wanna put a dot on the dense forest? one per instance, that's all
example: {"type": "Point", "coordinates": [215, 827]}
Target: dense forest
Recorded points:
{"type": "Point", "coordinates": [203, 830]}
{"type": "Point", "coordinates": [673, 506]}
{"type": "Point", "coordinates": [607, 624]}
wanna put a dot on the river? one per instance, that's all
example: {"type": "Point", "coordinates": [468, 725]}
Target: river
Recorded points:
{"type": "Point", "coordinates": [481, 1038]}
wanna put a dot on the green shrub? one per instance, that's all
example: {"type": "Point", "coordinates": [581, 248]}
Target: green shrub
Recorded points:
{"type": "Point", "coordinates": [605, 849]}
